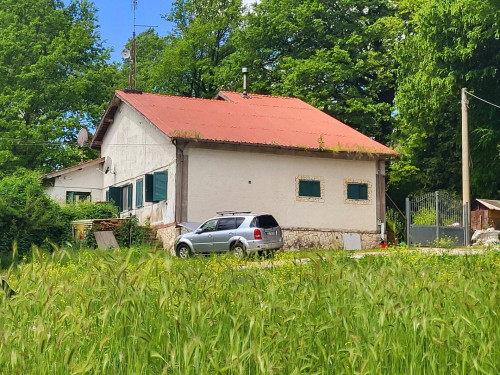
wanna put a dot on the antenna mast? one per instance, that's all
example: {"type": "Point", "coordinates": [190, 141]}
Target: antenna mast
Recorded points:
{"type": "Point", "coordinates": [132, 81]}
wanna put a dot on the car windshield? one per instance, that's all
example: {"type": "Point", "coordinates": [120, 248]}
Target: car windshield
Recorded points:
{"type": "Point", "coordinates": [265, 221]}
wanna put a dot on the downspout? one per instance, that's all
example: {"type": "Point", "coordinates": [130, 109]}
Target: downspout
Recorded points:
{"type": "Point", "coordinates": [179, 179]}
{"type": "Point", "coordinates": [381, 197]}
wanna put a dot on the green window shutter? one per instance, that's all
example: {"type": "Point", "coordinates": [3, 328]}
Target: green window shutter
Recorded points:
{"type": "Point", "coordinates": [363, 191]}
{"type": "Point", "coordinates": [138, 192]}
{"type": "Point", "coordinates": [310, 188]}
{"type": "Point", "coordinates": [70, 197]}
{"type": "Point", "coordinates": [107, 195]}
{"type": "Point", "coordinates": [149, 187]}
{"type": "Point", "coordinates": [115, 194]}
{"type": "Point", "coordinates": [130, 195]}
{"type": "Point", "coordinates": [357, 191]}
{"type": "Point", "coordinates": [160, 181]}
{"type": "Point", "coordinates": [352, 191]}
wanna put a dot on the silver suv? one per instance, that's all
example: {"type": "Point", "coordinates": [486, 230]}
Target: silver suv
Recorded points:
{"type": "Point", "coordinates": [242, 233]}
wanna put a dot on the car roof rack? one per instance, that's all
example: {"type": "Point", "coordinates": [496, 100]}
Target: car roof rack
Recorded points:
{"type": "Point", "coordinates": [225, 213]}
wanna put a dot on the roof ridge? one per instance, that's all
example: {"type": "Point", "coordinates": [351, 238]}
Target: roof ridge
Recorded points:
{"type": "Point", "coordinates": [166, 95]}
{"type": "Point", "coordinates": [265, 95]}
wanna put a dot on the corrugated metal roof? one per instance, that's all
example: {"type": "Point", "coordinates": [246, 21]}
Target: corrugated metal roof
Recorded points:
{"type": "Point", "coordinates": [490, 204]}
{"type": "Point", "coordinates": [257, 119]}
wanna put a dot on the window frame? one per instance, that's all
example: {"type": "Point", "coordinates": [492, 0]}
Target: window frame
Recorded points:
{"type": "Point", "coordinates": [358, 201]}
{"type": "Point", "coordinates": [73, 194]}
{"type": "Point", "coordinates": [306, 198]}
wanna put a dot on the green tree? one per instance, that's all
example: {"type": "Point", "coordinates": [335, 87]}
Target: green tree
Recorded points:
{"type": "Point", "coordinates": [446, 46]}
{"type": "Point", "coordinates": [334, 55]}
{"type": "Point", "coordinates": [28, 216]}
{"type": "Point", "coordinates": [54, 79]}
{"type": "Point", "coordinates": [201, 40]}
{"type": "Point", "coordinates": [149, 48]}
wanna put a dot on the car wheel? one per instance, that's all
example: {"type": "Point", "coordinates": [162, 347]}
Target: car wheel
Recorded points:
{"type": "Point", "coordinates": [239, 250]}
{"type": "Point", "coordinates": [183, 251]}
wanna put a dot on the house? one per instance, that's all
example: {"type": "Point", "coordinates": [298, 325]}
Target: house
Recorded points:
{"type": "Point", "coordinates": [485, 213]}
{"type": "Point", "coordinates": [175, 159]}
{"type": "Point", "coordinates": [76, 183]}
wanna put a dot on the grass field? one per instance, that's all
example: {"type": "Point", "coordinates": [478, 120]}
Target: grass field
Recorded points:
{"type": "Point", "coordinates": [144, 312]}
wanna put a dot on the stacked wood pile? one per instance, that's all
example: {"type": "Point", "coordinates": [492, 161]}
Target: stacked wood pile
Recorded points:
{"type": "Point", "coordinates": [100, 225]}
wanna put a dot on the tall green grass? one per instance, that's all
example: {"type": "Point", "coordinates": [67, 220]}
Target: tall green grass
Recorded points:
{"type": "Point", "coordinates": [140, 312]}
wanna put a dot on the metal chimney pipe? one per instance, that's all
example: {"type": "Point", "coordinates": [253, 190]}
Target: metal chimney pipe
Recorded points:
{"type": "Point", "coordinates": [244, 71]}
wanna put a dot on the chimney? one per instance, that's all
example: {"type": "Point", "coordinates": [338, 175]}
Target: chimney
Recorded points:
{"type": "Point", "coordinates": [244, 71]}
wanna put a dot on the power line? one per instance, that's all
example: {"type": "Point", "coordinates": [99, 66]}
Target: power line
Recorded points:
{"type": "Point", "coordinates": [477, 97]}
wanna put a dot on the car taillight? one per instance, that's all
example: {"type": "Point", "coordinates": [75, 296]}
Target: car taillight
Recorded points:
{"type": "Point", "coordinates": [257, 234]}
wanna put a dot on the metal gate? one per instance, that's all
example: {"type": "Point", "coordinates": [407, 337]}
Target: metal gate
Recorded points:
{"type": "Point", "coordinates": [434, 218]}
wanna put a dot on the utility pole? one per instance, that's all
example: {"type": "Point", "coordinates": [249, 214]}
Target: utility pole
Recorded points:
{"type": "Point", "coordinates": [465, 163]}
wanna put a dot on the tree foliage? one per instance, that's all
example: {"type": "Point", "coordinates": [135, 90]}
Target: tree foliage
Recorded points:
{"type": "Point", "coordinates": [53, 78]}
{"type": "Point", "coordinates": [28, 216]}
{"type": "Point", "coordinates": [446, 46]}
{"type": "Point", "coordinates": [334, 55]}
{"type": "Point", "coordinates": [201, 40]}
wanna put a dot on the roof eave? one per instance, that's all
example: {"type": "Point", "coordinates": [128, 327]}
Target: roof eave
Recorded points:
{"type": "Point", "coordinates": [105, 122]}
{"type": "Point", "coordinates": [345, 153]}
{"type": "Point", "coordinates": [73, 168]}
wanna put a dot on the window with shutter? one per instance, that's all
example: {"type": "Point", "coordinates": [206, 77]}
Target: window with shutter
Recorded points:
{"type": "Point", "coordinates": [310, 188]}
{"type": "Point", "coordinates": [160, 181]}
{"type": "Point", "coordinates": [138, 192]}
{"type": "Point", "coordinates": [115, 195]}
{"type": "Point", "coordinates": [130, 191]}
{"type": "Point", "coordinates": [148, 187]}
{"type": "Point", "coordinates": [357, 191]}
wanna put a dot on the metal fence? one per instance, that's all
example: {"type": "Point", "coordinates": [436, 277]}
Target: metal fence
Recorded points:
{"type": "Point", "coordinates": [436, 218]}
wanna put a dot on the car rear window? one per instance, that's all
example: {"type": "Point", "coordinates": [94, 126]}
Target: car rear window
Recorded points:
{"type": "Point", "coordinates": [264, 221]}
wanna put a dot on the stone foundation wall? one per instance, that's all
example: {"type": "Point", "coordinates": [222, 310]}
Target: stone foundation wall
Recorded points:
{"type": "Point", "coordinates": [294, 238]}
{"type": "Point", "coordinates": [300, 239]}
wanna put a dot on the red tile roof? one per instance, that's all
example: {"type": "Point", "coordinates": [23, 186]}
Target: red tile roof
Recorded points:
{"type": "Point", "coordinates": [258, 119]}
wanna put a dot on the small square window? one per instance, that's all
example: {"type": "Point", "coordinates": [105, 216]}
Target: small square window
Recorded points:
{"type": "Point", "coordinates": [309, 188]}
{"type": "Point", "coordinates": [357, 191]}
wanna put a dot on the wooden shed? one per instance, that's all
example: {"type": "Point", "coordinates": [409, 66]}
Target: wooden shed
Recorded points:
{"type": "Point", "coordinates": [485, 213]}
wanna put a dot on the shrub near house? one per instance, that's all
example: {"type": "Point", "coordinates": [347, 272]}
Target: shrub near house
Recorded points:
{"type": "Point", "coordinates": [28, 215]}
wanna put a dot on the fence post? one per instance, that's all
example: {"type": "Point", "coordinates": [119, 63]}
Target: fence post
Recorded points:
{"type": "Point", "coordinates": [408, 221]}
{"type": "Point", "coordinates": [437, 217]}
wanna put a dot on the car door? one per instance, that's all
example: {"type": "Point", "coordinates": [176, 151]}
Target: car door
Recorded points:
{"type": "Point", "coordinates": [202, 238]}
{"type": "Point", "coordinates": [225, 230]}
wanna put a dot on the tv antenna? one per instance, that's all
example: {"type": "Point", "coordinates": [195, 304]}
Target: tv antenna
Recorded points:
{"type": "Point", "coordinates": [131, 54]}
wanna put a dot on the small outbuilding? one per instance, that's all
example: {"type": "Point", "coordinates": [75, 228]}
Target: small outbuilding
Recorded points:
{"type": "Point", "coordinates": [485, 213]}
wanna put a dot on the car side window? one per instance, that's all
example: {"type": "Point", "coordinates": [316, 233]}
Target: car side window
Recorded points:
{"type": "Point", "coordinates": [239, 221]}
{"type": "Point", "coordinates": [227, 223]}
{"type": "Point", "coordinates": [209, 226]}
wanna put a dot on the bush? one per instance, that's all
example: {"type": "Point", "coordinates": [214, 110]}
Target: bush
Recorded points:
{"type": "Point", "coordinates": [28, 215]}
{"type": "Point", "coordinates": [88, 210]}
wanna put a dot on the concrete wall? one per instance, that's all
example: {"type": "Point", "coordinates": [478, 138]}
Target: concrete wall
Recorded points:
{"type": "Point", "coordinates": [137, 147]}
{"type": "Point", "coordinates": [88, 179]}
{"type": "Point", "coordinates": [250, 181]}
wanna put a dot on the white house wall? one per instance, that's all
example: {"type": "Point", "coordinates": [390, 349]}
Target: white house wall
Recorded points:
{"type": "Point", "coordinates": [86, 180]}
{"type": "Point", "coordinates": [250, 181]}
{"type": "Point", "coordinates": [136, 148]}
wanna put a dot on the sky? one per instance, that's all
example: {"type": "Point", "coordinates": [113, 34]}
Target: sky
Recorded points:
{"type": "Point", "coordinates": [116, 21]}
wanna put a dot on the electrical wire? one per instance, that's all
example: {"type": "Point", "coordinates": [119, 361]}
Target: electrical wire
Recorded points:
{"type": "Point", "coordinates": [477, 97]}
